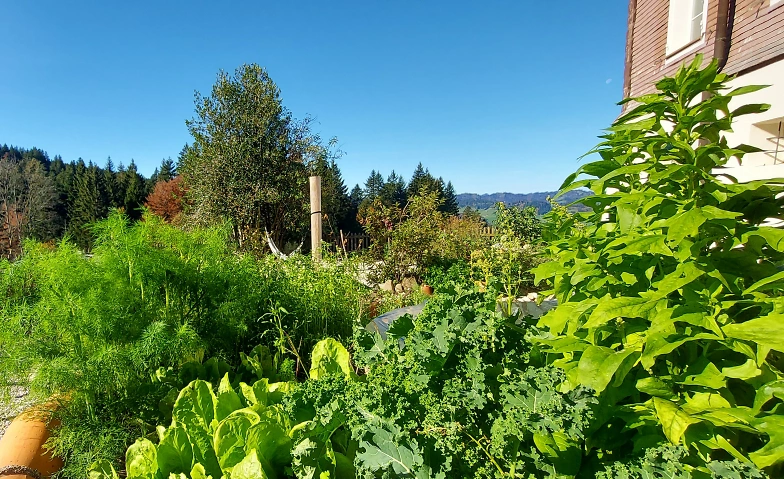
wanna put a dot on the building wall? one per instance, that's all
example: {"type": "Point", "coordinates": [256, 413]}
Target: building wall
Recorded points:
{"type": "Point", "coordinates": [756, 55]}
{"type": "Point", "coordinates": [757, 37]}
{"type": "Point", "coordinates": [760, 129]}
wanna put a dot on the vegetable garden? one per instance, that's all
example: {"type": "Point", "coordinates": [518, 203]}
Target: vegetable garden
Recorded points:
{"type": "Point", "coordinates": [173, 355]}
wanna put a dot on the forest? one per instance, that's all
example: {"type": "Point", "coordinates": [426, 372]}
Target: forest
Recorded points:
{"type": "Point", "coordinates": [45, 198]}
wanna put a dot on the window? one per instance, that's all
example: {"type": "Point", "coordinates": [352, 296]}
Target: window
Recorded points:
{"type": "Point", "coordinates": [773, 3]}
{"type": "Point", "coordinates": [686, 24]}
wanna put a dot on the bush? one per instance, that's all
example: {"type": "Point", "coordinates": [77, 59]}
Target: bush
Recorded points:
{"type": "Point", "coordinates": [506, 264]}
{"type": "Point", "coordinates": [669, 290]}
{"type": "Point", "coordinates": [411, 240]}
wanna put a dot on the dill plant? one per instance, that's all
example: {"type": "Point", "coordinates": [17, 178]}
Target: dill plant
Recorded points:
{"type": "Point", "coordinates": [92, 330]}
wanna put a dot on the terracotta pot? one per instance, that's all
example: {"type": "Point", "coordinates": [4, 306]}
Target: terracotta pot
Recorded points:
{"type": "Point", "coordinates": [21, 445]}
{"type": "Point", "coordinates": [427, 289]}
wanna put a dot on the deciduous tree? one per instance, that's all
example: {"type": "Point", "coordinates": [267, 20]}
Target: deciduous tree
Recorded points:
{"type": "Point", "coordinates": [247, 161]}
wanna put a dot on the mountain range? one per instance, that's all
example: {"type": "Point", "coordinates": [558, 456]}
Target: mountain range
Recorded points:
{"type": "Point", "coordinates": [537, 200]}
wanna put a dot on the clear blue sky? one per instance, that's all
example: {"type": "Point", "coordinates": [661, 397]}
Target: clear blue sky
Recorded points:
{"type": "Point", "coordinates": [492, 95]}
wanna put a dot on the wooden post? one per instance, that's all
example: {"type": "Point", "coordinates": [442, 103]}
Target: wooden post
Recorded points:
{"type": "Point", "coordinates": [315, 217]}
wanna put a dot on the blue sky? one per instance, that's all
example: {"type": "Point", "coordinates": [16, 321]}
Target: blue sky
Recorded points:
{"type": "Point", "coordinates": [492, 95]}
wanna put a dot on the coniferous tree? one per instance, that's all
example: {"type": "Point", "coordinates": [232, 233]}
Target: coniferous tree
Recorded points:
{"type": "Point", "coordinates": [335, 203]}
{"type": "Point", "coordinates": [418, 180]}
{"type": "Point", "coordinates": [135, 192]}
{"type": "Point", "coordinates": [110, 184]}
{"type": "Point", "coordinates": [355, 200]}
{"type": "Point", "coordinates": [167, 171]}
{"type": "Point", "coordinates": [394, 190]}
{"type": "Point", "coordinates": [87, 207]}
{"type": "Point", "coordinates": [373, 186]}
{"type": "Point", "coordinates": [450, 205]}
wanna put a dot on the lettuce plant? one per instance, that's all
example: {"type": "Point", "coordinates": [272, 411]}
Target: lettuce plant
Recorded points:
{"type": "Point", "coordinates": [242, 432]}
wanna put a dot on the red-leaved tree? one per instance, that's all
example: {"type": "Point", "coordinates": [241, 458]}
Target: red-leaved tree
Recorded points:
{"type": "Point", "coordinates": [167, 199]}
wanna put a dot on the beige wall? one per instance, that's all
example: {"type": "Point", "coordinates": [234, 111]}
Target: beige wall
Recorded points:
{"type": "Point", "coordinates": [757, 129]}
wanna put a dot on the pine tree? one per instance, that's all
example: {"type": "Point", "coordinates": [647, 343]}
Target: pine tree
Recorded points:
{"type": "Point", "coordinates": [373, 186]}
{"type": "Point", "coordinates": [450, 205]}
{"type": "Point", "coordinates": [394, 190]}
{"type": "Point", "coordinates": [135, 192]}
{"type": "Point", "coordinates": [87, 207]}
{"type": "Point", "coordinates": [167, 170]}
{"type": "Point", "coordinates": [356, 196]}
{"type": "Point", "coordinates": [422, 181]}
{"type": "Point", "coordinates": [110, 184]}
{"type": "Point", "coordinates": [355, 199]}
{"type": "Point", "coordinates": [335, 203]}
{"type": "Point", "coordinates": [417, 180]}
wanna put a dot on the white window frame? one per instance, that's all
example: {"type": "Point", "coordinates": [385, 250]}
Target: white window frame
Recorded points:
{"type": "Point", "coordinates": [775, 3]}
{"type": "Point", "coordinates": [680, 23]}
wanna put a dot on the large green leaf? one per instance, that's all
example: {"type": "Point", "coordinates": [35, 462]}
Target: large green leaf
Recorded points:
{"type": "Point", "coordinates": [684, 224]}
{"type": "Point", "coordinates": [766, 330]}
{"type": "Point", "coordinates": [776, 280]}
{"type": "Point", "coordinates": [103, 469]}
{"type": "Point", "coordinates": [621, 307]}
{"type": "Point", "coordinates": [655, 387]}
{"type": "Point", "coordinates": [598, 365]}
{"type": "Point", "coordinates": [227, 400]}
{"type": "Point", "coordinates": [198, 472]}
{"type": "Point", "coordinates": [195, 404]}
{"type": "Point", "coordinates": [314, 458]}
{"type": "Point", "coordinates": [271, 443]}
{"type": "Point", "coordinates": [653, 244]}
{"type": "Point", "coordinates": [230, 436]}
{"type": "Point", "coordinates": [195, 410]}
{"type": "Point", "coordinates": [175, 454]}
{"type": "Point", "coordinates": [141, 460]}
{"type": "Point", "coordinates": [249, 468]}
{"type": "Point", "coordinates": [384, 451]}
{"type": "Point", "coordinates": [330, 357]}
{"type": "Point", "coordinates": [673, 420]}
{"type": "Point", "coordinates": [768, 392]}
{"type": "Point", "coordinates": [658, 344]}
{"type": "Point", "coordinates": [565, 453]}
{"type": "Point", "coordinates": [773, 451]}
{"type": "Point", "coordinates": [709, 376]}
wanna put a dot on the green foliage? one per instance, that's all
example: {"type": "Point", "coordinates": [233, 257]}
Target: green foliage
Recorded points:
{"type": "Point", "coordinates": [411, 239]}
{"type": "Point", "coordinates": [98, 329]}
{"type": "Point", "coordinates": [518, 223]}
{"type": "Point", "coordinates": [505, 266]}
{"type": "Point", "coordinates": [443, 273]}
{"type": "Point", "coordinates": [669, 291]}
{"type": "Point", "coordinates": [257, 177]}
{"type": "Point", "coordinates": [244, 431]}
{"type": "Point", "coordinates": [463, 398]}
{"type": "Point", "coordinates": [403, 237]}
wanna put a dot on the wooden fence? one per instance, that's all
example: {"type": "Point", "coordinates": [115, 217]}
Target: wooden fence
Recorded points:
{"type": "Point", "coordinates": [359, 241]}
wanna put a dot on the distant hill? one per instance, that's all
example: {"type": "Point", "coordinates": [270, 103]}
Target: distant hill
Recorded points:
{"type": "Point", "coordinates": [537, 200]}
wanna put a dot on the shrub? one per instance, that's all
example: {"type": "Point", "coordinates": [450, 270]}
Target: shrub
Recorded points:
{"type": "Point", "coordinates": [409, 241]}
{"type": "Point", "coordinates": [669, 290]}
{"type": "Point", "coordinates": [403, 239]}
{"type": "Point", "coordinates": [505, 265]}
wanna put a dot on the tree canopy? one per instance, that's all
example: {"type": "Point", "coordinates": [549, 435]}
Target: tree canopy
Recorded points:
{"type": "Point", "coordinates": [248, 158]}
